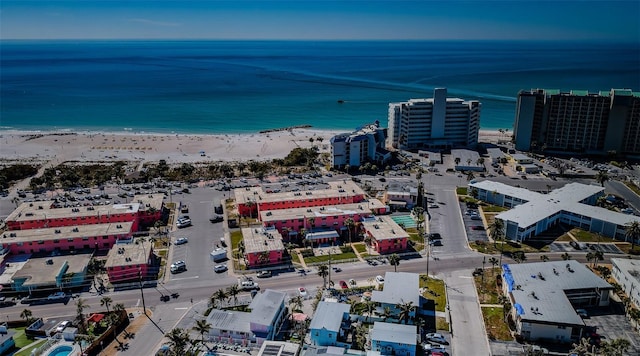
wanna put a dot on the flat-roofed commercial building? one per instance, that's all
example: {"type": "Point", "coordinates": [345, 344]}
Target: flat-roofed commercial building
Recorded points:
{"type": "Point", "coordinates": [253, 199]}
{"type": "Point", "coordinates": [49, 274]}
{"type": "Point", "coordinates": [544, 297]}
{"type": "Point", "coordinates": [366, 144]}
{"type": "Point", "coordinates": [43, 214]}
{"type": "Point", "coordinates": [578, 121]}
{"type": "Point", "coordinates": [152, 208]}
{"type": "Point", "coordinates": [627, 273]}
{"type": "Point", "coordinates": [131, 262]}
{"type": "Point", "coordinates": [386, 235]}
{"type": "Point", "coordinates": [438, 122]}
{"type": "Point", "coordinates": [262, 246]}
{"type": "Point", "coordinates": [533, 213]}
{"type": "Point", "coordinates": [66, 238]}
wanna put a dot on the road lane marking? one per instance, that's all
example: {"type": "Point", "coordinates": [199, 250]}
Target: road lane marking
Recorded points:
{"type": "Point", "coordinates": [181, 308]}
{"type": "Point", "coordinates": [180, 279]}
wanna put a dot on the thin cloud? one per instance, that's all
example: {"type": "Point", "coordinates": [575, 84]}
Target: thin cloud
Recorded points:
{"type": "Point", "coordinates": [155, 23]}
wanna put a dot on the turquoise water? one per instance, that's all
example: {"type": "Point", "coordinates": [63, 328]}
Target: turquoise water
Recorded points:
{"type": "Point", "coordinates": [61, 351]}
{"type": "Point", "coordinates": [247, 86]}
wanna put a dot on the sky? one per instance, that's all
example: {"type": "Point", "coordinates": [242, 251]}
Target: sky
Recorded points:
{"type": "Point", "coordinates": [322, 20]}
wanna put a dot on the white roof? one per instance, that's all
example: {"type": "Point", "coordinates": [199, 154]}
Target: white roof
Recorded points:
{"type": "Point", "coordinates": [394, 333]}
{"type": "Point", "coordinates": [329, 316]}
{"type": "Point", "coordinates": [399, 287]}
{"type": "Point", "coordinates": [501, 188]}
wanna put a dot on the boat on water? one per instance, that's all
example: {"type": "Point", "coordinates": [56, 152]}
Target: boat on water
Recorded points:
{"type": "Point", "coordinates": [340, 101]}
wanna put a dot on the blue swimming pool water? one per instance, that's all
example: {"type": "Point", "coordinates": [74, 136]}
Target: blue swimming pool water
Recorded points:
{"type": "Point", "coordinates": [405, 220]}
{"type": "Point", "coordinates": [61, 351]}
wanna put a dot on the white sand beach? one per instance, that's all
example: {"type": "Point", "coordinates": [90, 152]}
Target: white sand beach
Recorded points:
{"type": "Point", "coordinates": [57, 147]}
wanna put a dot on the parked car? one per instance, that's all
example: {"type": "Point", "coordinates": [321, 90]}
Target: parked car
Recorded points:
{"type": "Point", "coordinates": [57, 296]}
{"type": "Point", "coordinates": [476, 217]}
{"type": "Point", "coordinates": [264, 274]}
{"type": "Point", "coordinates": [437, 337]}
{"type": "Point", "coordinates": [183, 223]}
{"type": "Point", "coordinates": [583, 313]}
{"type": "Point", "coordinates": [337, 269]}
{"type": "Point", "coordinates": [182, 241]}
{"type": "Point", "coordinates": [216, 219]}
{"type": "Point", "coordinates": [478, 272]}
{"type": "Point", "coordinates": [62, 325]}
{"type": "Point", "coordinates": [435, 242]}
{"type": "Point", "coordinates": [435, 236]}
{"type": "Point", "coordinates": [380, 279]}
{"type": "Point", "coordinates": [343, 285]}
{"type": "Point", "coordinates": [431, 348]}
{"type": "Point", "coordinates": [220, 268]}
{"type": "Point", "coordinates": [302, 292]}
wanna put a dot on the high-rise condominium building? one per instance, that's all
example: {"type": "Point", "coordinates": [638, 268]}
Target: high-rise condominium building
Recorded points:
{"type": "Point", "coordinates": [366, 144]}
{"type": "Point", "coordinates": [439, 122]}
{"type": "Point", "coordinates": [578, 121]}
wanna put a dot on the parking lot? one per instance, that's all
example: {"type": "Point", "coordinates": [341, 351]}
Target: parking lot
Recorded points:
{"type": "Point", "coordinates": [606, 248]}
{"type": "Point", "coordinates": [611, 324]}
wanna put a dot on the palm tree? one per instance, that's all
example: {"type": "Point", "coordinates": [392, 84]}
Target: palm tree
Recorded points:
{"type": "Point", "coordinates": [296, 302]}
{"type": "Point", "coordinates": [16, 201]}
{"type": "Point", "coordinates": [544, 258]}
{"type": "Point", "coordinates": [519, 256]}
{"type": "Point", "coordinates": [323, 271]}
{"type": "Point", "coordinates": [106, 302]}
{"type": "Point", "coordinates": [219, 295]}
{"type": "Point", "coordinates": [386, 314]}
{"type": "Point", "coordinates": [457, 160]}
{"type": "Point", "coordinates": [406, 309]}
{"type": "Point", "coordinates": [615, 347]}
{"type": "Point", "coordinates": [590, 256]}
{"type": "Point", "coordinates": [26, 315]}
{"type": "Point", "coordinates": [369, 306]}
{"type": "Point", "coordinates": [566, 256]}
{"type": "Point", "coordinates": [81, 305]}
{"type": "Point", "coordinates": [394, 260]}
{"type": "Point", "coordinates": [81, 339]}
{"type": "Point", "coordinates": [597, 256]}
{"type": "Point", "coordinates": [494, 262]}
{"type": "Point", "coordinates": [602, 177]}
{"type": "Point", "coordinates": [583, 348]}
{"type": "Point", "coordinates": [349, 223]}
{"type": "Point", "coordinates": [202, 327]}
{"type": "Point", "coordinates": [632, 231]}
{"type": "Point", "coordinates": [178, 341]}
{"type": "Point", "coordinates": [232, 292]}
{"type": "Point", "coordinates": [496, 232]}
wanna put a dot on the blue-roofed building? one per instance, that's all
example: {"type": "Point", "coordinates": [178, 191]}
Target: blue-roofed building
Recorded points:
{"type": "Point", "coordinates": [545, 295]}
{"type": "Point", "coordinates": [6, 339]}
{"type": "Point", "coordinates": [330, 325]}
{"type": "Point", "coordinates": [366, 144]}
{"type": "Point", "coordinates": [394, 339]}
{"type": "Point", "coordinates": [263, 322]}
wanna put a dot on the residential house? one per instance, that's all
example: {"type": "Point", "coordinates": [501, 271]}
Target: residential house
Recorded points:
{"type": "Point", "coordinates": [330, 324]}
{"type": "Point", "coordinates": [394, 339]}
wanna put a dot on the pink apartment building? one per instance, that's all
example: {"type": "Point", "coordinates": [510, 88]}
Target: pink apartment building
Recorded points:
{"type": "Point", "coordinates": [254, 200]}
{"type": "Point", "coordinates": [263, 247]}
{"type": "Point", "coordinates": [131, 262]}
{"type": "Point", "coordinates": [66, 238]}
{"type": "Point", "coordinates": [386, 235]}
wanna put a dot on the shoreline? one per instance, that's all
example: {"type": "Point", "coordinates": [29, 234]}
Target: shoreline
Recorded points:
{"type": "Point", "coordinates": [67, 146]}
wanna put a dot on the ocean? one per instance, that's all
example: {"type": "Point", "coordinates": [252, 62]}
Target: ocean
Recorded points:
{"type": "Point", "coordinates": [212, 87]}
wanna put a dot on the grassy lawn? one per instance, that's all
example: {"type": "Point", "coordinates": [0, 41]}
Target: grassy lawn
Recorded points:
{"type": "Point", "coordinates": [20, 337]}
{"type": "Point", "coordinates": [489, 248]}
{"type": "Point", "coordinates": [564, 237]}
{"type": "Point", "coordinates": [626, 248]}
{"type": "Point", "coordinates": [236, 237]}
{"type": "Point", "coordinates": [441, 323]}
{"type": "Point", "coordinates": [488, 291]}
{"type": "Point", "coordinates": [435, 291]}
{"type": "Point", "coordinates": [586, 236]}
{"type": "Point", "coordinates": [497, 329]}
{"type": "Point", "coordinates": [461, 190]}
{"type": "Point", "coordinates": [295, 258]}
{"type": "Point", "coordinates": [27, 352]}
{"type": "Point", "coordinates": [360, 247]}
{"type": "Point", "coordinates": [325, 258]}
{"type": "Point", "coordinates": [493, 208]}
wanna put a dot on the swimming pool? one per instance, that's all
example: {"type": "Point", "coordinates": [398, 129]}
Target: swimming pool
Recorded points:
{"type": "Point", "coordinates": [404, 220]}
{"type": "Point", "coordinates": [61, 351]}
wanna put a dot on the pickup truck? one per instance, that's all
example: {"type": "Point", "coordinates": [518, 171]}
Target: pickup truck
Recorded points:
{"type": "Point", "coordinates": [248, 285]}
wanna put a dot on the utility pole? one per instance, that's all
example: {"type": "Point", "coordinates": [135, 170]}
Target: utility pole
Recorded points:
{"type": "Point", "coordinates": [428, 244]}
{"type": "Point", "coordinates": [144, 307]}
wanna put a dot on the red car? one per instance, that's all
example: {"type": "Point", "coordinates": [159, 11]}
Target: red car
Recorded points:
{"type": "Point", "coordinates": [343, 285]}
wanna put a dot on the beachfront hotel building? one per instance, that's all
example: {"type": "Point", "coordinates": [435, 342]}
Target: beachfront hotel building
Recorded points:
{"type": "Point", "coordinates": [66, 238]}
{"type": "Point", "coordinates": [578, 121]}
{"type": "Point", "coordinates": [437, 122]}
{"type": "Point", "coordinates": [533, 213]}
{"type": "Point", "coordinates": [252, 200]}
{"type": "Point", "coordinates": [544, 297]}
{"type": "Point", "coordinates": [365, 144]}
